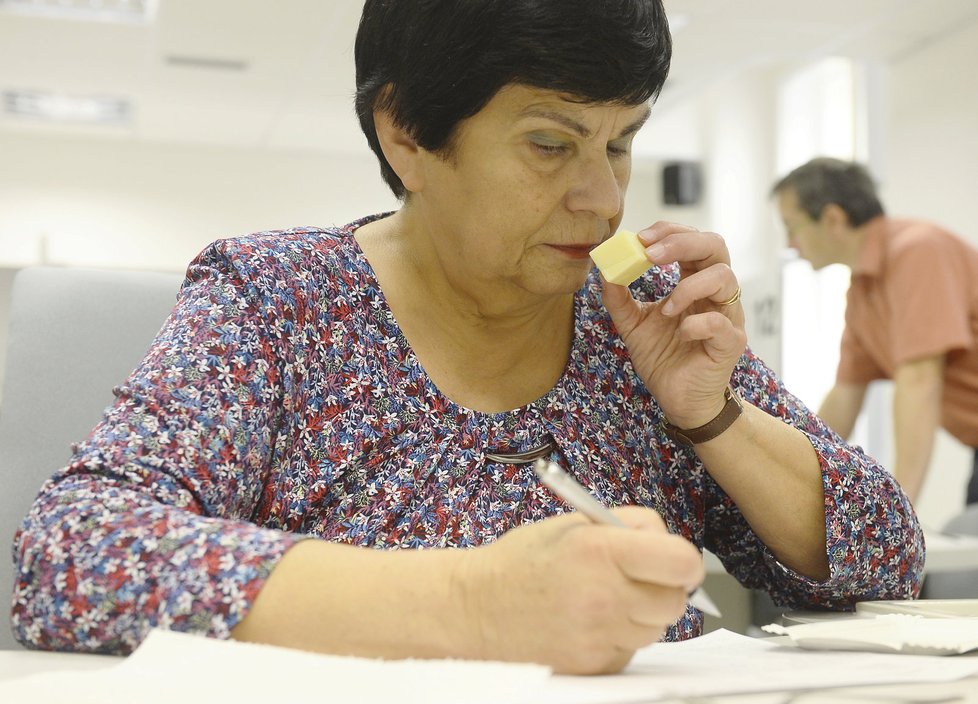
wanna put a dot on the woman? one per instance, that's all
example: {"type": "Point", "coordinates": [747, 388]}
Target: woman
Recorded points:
{"type": "Point", "coordinates": [382, 385]}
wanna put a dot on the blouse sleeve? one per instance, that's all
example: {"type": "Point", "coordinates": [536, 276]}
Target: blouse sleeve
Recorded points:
{"type": "Point", "coordinates": [874, 542]}
{"type": "Point", "coordinates": [148, 524]}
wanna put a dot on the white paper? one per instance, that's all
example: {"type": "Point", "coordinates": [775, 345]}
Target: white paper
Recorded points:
{"type": "Point", "coordinates": [722, 662]}
{"type": "Point", "coordinates": [176, 668]}
{"type": "Point", "coordinates": [887, 633]}
{"type": "Point", "coordinates": [929, 608]}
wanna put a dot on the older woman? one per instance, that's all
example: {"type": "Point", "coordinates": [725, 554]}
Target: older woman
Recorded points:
{"type": "Point", "coordinates": [321, 393]}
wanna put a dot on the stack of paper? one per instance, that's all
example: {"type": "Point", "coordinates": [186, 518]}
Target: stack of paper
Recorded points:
{"type": "Point", "coordinates": [886, 633]}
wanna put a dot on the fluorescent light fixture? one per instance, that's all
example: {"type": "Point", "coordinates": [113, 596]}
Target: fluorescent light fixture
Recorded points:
{"type": "Point", "coordinates": [53, 107]}
{"type": "Point", "coordinates": [126, 11]}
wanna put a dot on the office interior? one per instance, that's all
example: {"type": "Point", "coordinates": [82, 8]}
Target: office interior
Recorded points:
{"type": "Point", "coordinates": [228, 117]}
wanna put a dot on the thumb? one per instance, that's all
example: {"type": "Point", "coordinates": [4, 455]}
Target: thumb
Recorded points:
{"type": "Point", "coordinates": [617, 300]}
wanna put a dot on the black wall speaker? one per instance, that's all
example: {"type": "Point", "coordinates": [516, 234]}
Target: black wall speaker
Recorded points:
{"type": "Point", "coordinates": [682, 183]}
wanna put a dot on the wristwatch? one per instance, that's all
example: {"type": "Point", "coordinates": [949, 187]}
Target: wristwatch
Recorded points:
{"type": "Point", "coordinates": [731, 410]}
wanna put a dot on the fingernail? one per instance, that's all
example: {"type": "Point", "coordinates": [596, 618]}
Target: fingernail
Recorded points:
{"type": "Point", "coordinates": [655, 251]}
{"type": "Point", "coordinates": [668, 307]}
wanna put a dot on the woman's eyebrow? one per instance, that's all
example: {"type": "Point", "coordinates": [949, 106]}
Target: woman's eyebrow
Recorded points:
{"type": "Point", "coordinates": [637, 124]}
{"type": "Point", "coordinates": [558, 117]}
{"type": "Point", "coordinates": [578, 127]}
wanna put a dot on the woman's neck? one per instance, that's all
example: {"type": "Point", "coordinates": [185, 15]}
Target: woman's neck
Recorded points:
{"type": "Point", "coordinates": [490, 352]}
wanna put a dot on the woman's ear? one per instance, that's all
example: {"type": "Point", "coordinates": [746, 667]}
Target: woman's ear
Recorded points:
{"type": "Point", "coordinates": [401, 151]}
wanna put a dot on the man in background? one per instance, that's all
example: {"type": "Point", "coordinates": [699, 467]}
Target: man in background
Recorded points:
{"type": "Point", "coordinates": [911, 312]}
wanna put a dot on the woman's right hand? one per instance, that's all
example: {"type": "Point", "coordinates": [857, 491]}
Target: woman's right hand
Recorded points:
{"type": "Point", "coordinates": [577, 596]}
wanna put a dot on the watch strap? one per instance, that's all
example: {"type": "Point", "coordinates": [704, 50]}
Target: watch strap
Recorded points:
{"type": "Point", "coordinates": [731, 410]}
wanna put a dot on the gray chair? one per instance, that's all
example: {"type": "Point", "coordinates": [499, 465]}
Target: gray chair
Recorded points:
{"type": "Point", "coordinates": [956, 585]}
{"type": "Point", "coordinates": [74, 334]}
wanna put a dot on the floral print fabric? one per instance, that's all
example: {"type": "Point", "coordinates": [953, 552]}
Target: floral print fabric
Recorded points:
{"type": "Point", "coordinates": [280, 400]}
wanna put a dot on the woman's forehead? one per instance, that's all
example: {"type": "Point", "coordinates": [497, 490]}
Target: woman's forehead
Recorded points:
{"type": "Point", "coordinates": [521, 101]}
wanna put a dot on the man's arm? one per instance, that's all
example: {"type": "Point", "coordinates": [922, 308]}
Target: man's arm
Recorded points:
{"type": "Point", "coordinates": [918, 386]}
{"type": "Point", "coordinates": [841, 407]}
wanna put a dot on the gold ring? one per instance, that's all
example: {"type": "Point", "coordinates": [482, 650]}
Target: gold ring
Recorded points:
{"type": "Point", "coordinates": [733, 299]}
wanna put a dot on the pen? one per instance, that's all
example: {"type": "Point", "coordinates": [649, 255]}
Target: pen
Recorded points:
{"type": "Point", "coordinates": [564, 486]}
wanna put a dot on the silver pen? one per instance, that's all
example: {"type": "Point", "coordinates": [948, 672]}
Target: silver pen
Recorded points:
{"type": "Point", "coordinates": [564, 486]}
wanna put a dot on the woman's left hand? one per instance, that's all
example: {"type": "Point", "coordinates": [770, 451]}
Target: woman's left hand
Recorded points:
{"type": "Point", "coordinates": [684, 347]}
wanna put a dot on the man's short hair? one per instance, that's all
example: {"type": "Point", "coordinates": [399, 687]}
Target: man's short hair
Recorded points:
{"type": "Point", "coordinates": [826, 180]}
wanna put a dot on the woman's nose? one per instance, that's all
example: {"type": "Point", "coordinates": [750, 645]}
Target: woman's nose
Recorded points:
{"type": "Point", "coordinates": [597, 189]}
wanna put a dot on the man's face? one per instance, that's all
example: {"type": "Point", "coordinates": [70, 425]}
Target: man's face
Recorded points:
{"type": "Point", "coordinates": [806, 235]}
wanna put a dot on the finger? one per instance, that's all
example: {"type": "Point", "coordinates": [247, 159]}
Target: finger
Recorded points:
{"type": "Point", "coordinates": [695, 247]}
{"type": "Point", "coordinates": [660, 229]}
{"type": "Point", "coordinates": [656, 558]}
{"type": "Point", "coordinates": [722, 337]}
{"type": "Point", "coordinates": [624, 310]}
{"type": "Point", "coordinates": [640, 517]}
{"type": "Point", "coordinates": [633, 635]}
{"type": "Point", "coordinates": [716, 283]}
{"type": "Point", "coordinates": [634, 614]}
{"type": "Point", "coordinates": [655, 607]}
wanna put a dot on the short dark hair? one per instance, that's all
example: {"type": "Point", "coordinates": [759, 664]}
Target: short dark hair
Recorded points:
{"type": "Point", "coordinates": [825, 180]}
{"type": "Point", "coordinates": [434, 63]}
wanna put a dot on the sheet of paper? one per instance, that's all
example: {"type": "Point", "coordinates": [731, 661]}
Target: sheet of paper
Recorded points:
{"type": "Point", "coordinates": [727, 663]}
{"type": "Point", "coordinates": [175, 667]}
{"type": "Point", "coordinates": [886, 633]}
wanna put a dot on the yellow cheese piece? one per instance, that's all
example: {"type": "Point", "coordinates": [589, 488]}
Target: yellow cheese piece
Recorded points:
{"type": "Point", "coordinates": [621, 258]}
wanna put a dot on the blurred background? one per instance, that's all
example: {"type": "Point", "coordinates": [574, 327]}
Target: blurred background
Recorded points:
{"type": "Point", "coordinates": [134, 132]}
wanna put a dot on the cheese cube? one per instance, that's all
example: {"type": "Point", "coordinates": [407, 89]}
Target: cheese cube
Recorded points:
{"type": "Point", "coordinates": [621, 258]}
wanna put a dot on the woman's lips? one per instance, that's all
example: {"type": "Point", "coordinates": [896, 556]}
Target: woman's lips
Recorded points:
{"type": "Point", "coordinates": [575, 251]}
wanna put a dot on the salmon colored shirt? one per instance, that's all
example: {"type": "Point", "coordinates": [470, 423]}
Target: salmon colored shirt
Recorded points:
{"type": "Point", "coordinates": [914, 294]}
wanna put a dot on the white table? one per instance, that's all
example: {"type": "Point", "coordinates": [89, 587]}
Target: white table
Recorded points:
{"type": "Point", "coordinates": [17, 663]}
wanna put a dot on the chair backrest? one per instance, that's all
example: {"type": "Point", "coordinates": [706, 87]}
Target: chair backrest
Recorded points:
{"type": "Point", "coordinates": [962, 584]}
{"type": "Point", "coordinates": [73, 335]}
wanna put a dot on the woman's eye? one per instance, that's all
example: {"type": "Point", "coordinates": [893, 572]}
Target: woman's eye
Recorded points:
{"type": "Point", "coordinates": [618, 150]}
{"type": "Point", "coordinates": [548, 148]}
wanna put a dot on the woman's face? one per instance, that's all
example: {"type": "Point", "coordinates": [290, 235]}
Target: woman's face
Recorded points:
{"type": "Point", "coordinates": [533, 183]}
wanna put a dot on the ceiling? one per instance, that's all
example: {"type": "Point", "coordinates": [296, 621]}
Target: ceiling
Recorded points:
{"type": "Point", "coordinates": [279, 75]}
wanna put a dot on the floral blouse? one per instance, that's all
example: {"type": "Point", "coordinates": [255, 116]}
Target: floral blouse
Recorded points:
{"type": "Point", "coordinates": [280, 400]}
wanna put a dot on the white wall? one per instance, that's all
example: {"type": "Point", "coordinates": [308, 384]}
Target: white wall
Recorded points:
{"type": "Point", "coordinates": [6, 280]}
{"type": "Point", "coordinates": [117, 203]}
{"type": "Point", "coordinates": [739, 128]}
